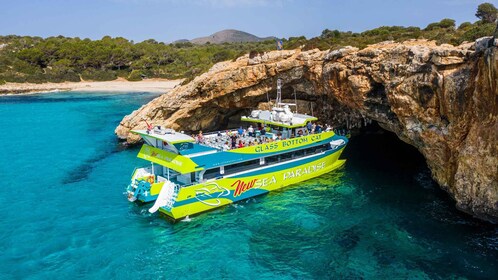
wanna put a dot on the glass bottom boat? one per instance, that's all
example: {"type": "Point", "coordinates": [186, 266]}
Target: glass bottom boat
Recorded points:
{"type": "Point", "coordinates": [187, 176]}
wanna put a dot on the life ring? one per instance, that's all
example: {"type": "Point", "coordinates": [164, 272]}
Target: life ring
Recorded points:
{"type": "Point", "coordinates": [151, 179]}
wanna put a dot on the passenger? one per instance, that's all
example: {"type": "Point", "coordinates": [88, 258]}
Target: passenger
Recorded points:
{"type": "Point", "coordinates": [233, 138]}
{"type": "Point", "coordinates": [318, 128]}
{"type": "Point", "coordinates": [250, 131]}
{"type": "Point", "coordinates": [300, 133]}
{"type": "Point", "coordinates": [226, 147]}
{"type": "Point", "coordinates": [309, 126]}
{"type": "Point", "coordinates": [200, 137]}
{"type": "Point", "coordinates": [313, 128]}
{"type": "Point", "coordinates": [241, 144]}
{"type": "Point", "coordinates": [240, 131]}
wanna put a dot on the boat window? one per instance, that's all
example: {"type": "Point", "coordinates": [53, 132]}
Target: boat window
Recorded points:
{"type": "Point", "coordinates": [272, 159]}
{"type": "Point", "coordinates": [212, 173]}
{"type": "Point", "coordinates": [184, 146]}
{"type": "Point", "coordinates": [242, 166]}
{"type": "Point", "coordinates": [286, 156]}
{"type": "Point", "coordinates": [298, 154]}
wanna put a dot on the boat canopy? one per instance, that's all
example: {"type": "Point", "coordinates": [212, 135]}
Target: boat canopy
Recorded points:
{"type": "Point", "coordinates": [278, 116]}
{"type": "Point", "coordinates": [168, 135]}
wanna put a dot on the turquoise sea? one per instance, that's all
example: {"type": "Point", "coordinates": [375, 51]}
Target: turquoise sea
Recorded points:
{"type": "Point", "coordinates": [64, 214]}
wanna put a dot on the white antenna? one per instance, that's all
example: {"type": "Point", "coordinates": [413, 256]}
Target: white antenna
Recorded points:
{"type": "Point", "coordinates": [279, 92]}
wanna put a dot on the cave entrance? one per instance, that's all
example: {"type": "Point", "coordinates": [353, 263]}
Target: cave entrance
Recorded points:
{"type": "Point", "coordinates": [374, 147]}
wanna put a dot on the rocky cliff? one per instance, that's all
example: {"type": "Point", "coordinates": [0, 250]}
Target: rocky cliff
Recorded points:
{"type": "Point", "coordinates": [441, 99]}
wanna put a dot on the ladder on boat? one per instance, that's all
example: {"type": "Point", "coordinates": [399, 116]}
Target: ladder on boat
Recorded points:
{"type": "Point", "coordinates": [166, 198]}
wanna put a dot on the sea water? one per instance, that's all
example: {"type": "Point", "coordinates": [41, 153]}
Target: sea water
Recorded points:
{"type": "Point", "coordinates": [63, 213]}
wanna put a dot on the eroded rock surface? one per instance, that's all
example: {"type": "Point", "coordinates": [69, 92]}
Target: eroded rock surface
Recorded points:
{"type": "Point", "coordinates": [441, 99]}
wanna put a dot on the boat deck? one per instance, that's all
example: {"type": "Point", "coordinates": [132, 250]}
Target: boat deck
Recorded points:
{"type": "Point", "coordinates": [217, 141]}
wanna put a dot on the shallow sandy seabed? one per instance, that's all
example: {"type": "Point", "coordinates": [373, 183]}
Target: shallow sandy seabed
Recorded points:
{"type": "Point", "coordinates": [119, 85]}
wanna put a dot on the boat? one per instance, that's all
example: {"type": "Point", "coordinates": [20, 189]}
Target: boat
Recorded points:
{"type": "Point", "coordinates": [186, 176]}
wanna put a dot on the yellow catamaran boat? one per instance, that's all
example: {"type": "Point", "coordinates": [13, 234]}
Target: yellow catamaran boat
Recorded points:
{"type": "Point", "coordinates": [187, 176]}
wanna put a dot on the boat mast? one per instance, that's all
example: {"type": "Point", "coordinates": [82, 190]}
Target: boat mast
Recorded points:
{"type": "Point", "coordinates": [279, 92]}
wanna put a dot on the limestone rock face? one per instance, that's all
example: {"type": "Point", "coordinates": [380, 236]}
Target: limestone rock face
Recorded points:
{"type": "Point", "coordinates": [441, 99]}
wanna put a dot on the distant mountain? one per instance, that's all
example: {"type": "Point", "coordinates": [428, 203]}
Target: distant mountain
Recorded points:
{"type": "Point", "coordinates": [229, 36]}
{"type": "Point", "coordinates": [181, 41]}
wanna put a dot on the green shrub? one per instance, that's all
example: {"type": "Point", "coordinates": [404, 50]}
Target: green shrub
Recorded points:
{"type": "Point", "coordinates": [478, 31]}
{"type": "Point", "coordinates": [444, 23]}
{"type": "Point", "coordinates": [2, 82]}
{"type": "Point", "coordinates": [98, 75]}
{"type": "Point", "coordinates": [464, 25]}
{"type": "Point", "coordinates": [135, 75]}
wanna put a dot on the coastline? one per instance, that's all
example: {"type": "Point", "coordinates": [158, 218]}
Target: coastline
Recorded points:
{"type": "Point", "coordinates": [118, 85]}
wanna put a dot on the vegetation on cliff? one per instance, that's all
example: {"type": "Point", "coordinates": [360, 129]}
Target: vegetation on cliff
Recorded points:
{"type": "Point", "coordinates": [58, 59]}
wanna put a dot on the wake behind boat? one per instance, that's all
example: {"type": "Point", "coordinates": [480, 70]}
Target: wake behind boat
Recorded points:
{"type": "Point", "coordinates": [188, 175]}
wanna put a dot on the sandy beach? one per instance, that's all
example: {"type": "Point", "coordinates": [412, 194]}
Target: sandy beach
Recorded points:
{"type": "Point", "coordinates": [119, 85]}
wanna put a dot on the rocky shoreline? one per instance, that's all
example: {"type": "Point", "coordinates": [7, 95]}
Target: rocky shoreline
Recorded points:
{"type": "Point", "coordinates": [119, 85]}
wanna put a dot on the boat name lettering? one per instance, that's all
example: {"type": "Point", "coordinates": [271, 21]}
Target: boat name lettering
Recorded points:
{"type": "Point", "coordinates": [164, 157]}
{"type": "Point", "coordinates": [294, 141]}
{"type": "Point", "coordinates": [303, 171]}
{"type": "Point", "coordinates": [266, 147]}
{"type": "Point", "coordinates": [316, 137]}
{"type": "Point", "coordinates": [261, 183]}
{"type": "Point", "coordinates": [241, 186]}
{"type": "Point", "coordinates": [287, 143]}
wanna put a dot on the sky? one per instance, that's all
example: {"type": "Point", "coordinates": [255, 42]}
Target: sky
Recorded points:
{"type": "Point", "coordinates": [170, 20]}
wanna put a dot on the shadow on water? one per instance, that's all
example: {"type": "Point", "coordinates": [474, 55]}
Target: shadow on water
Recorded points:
{"type": "Point", "coordinates": [399, 179]}
{"type": "Point", "coordinates": [83, 170]}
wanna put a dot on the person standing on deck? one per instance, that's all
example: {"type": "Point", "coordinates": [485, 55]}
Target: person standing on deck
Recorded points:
{"type": "Point", "coordinates": [250, 131]}
{"type": "Point", "coordinates": [233, 137]}
{"type": "Point", "coordinates": [200, 137]}
{"type": "Point", "coordinates": [240, 131]}
{"type": "Point", "coordinates": [309, 126]}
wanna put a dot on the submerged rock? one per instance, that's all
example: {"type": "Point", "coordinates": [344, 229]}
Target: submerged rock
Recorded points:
{"type": "Point", "coordinates": [441, 99]}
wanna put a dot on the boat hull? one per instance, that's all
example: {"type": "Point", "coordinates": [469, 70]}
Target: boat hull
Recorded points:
{"type": "Point", "coordinates": [211, 195]}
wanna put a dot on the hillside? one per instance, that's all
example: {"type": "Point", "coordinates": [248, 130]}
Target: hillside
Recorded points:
{"type": "Point", "coordinates": [229, 36]}
{"type": "Point", "coordinates": [59, 59]}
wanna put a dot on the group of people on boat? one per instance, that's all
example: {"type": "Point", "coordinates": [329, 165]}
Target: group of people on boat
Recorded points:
{"type": "Point", "coordinates": [241, 137]}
